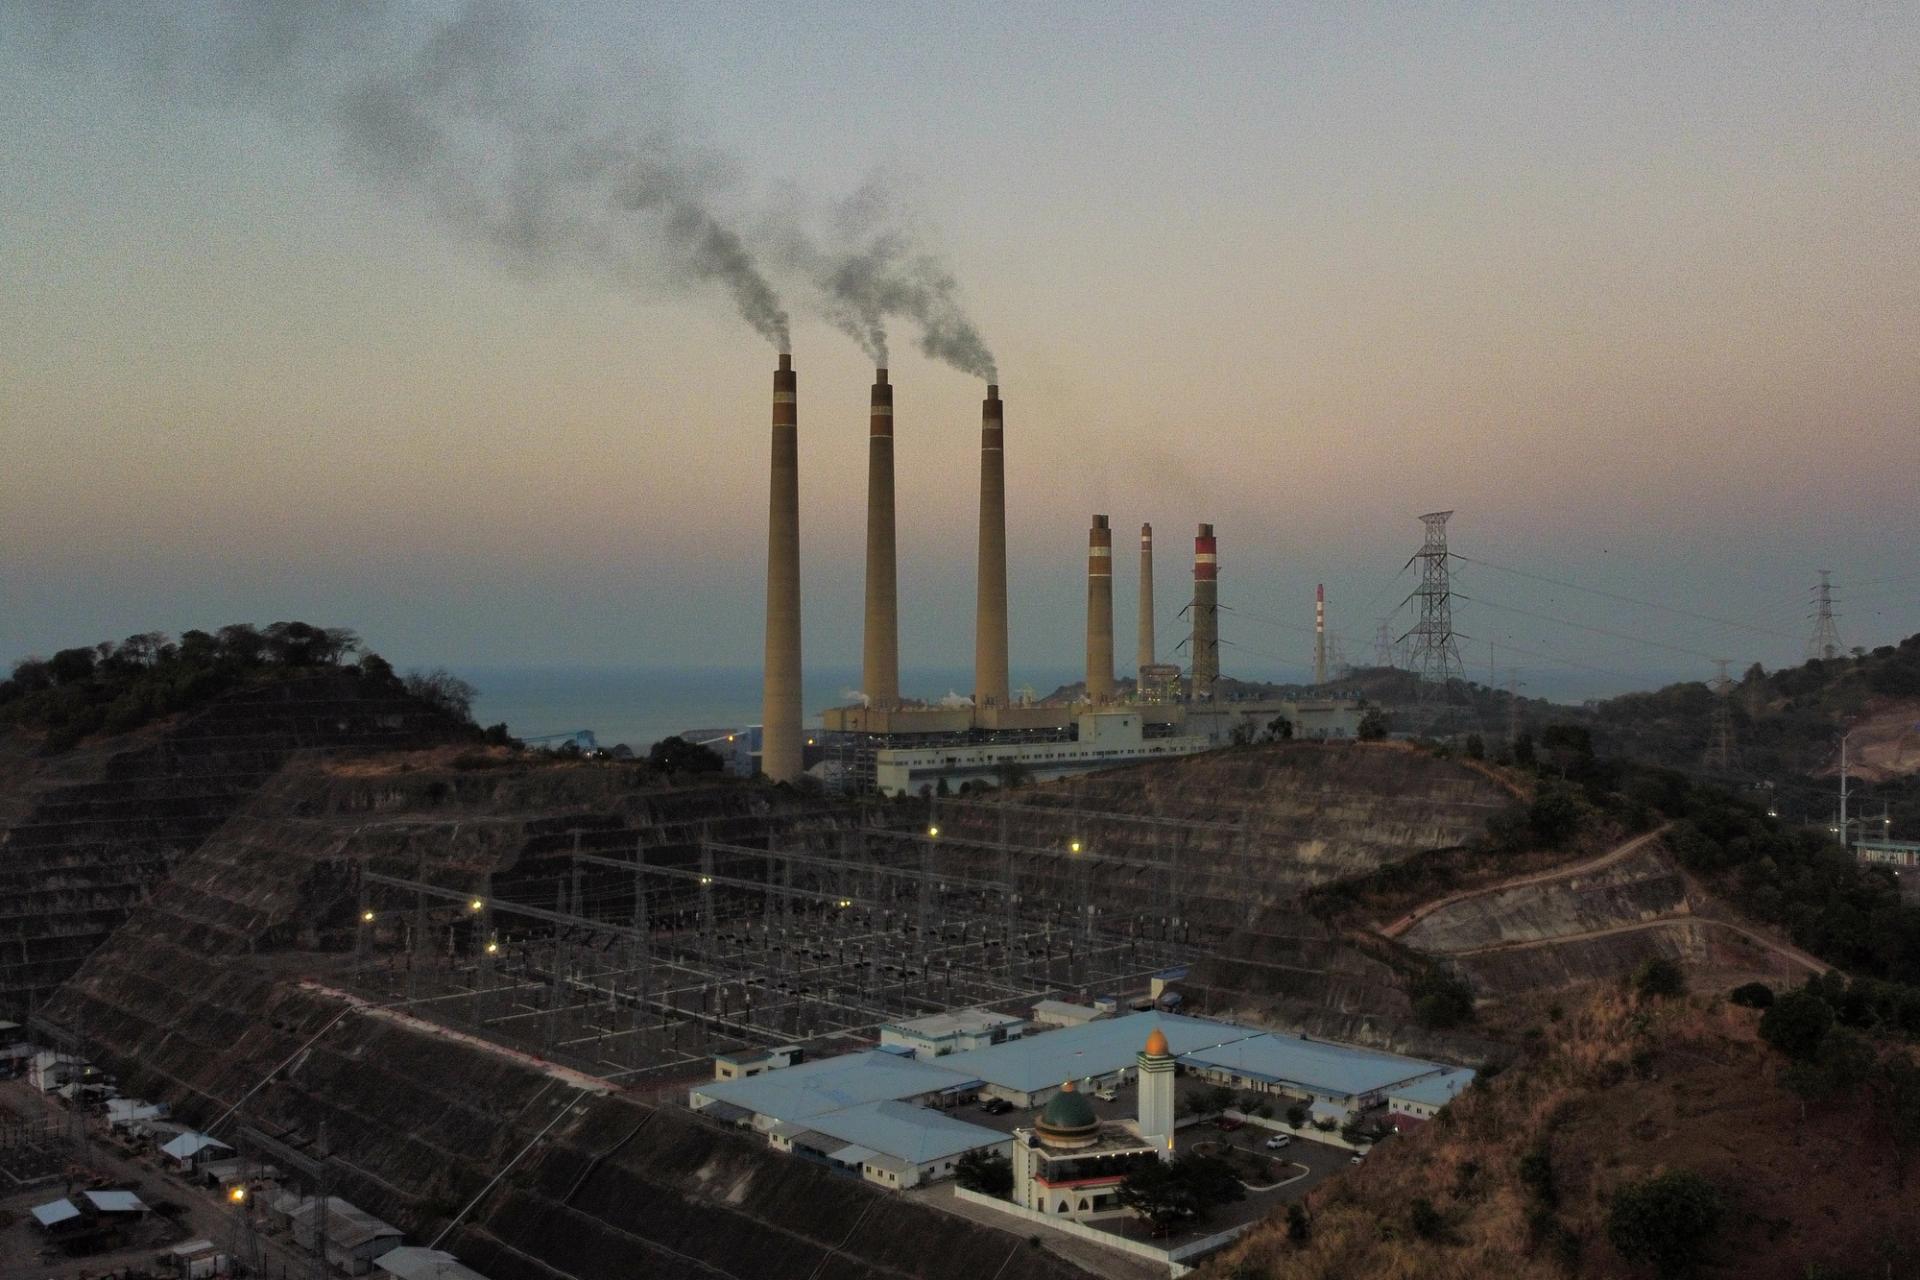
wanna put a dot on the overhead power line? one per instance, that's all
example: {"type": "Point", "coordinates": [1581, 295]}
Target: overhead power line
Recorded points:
{"type": "Point", "coordinates": [1614, 595]}
{"type": "Point", "coordinates": [1584, 626]}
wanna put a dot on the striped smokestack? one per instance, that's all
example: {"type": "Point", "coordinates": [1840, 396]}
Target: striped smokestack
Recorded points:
{"type": "Point", "coordinates": [1145, 655]}
{"type": "Point", "coordinates": [781, 757]}
{"type": "Point", "coordinates": [1206, 614]}
{"type": "Point", "coordinates": [880, 664]}
{"type": "Point", "coordinates": [1100, 611]}
{"type": "Point", "coordinates": [1320, 633]}
{"type": "Point", "coordinates": [990, 608]}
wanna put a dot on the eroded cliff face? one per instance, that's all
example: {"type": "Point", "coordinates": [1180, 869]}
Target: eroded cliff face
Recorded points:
{"type": "Point", "coordinates": [216, 990]}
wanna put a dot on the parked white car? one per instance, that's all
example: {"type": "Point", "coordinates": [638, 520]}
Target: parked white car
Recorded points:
{"type": "Point", "coordinates": [1275, 1143]}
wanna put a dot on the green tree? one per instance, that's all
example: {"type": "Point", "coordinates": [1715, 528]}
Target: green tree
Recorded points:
{"type": "Point", "coordinates": [1279, 729]}
{"type": "Point", "coordinates": [1156, 1193]}
{"type": "Point", "coordinates": [1796, 1024]}
{"type": "Point", "coordinates": [1427, 1222]}
{"type": "Point", "coordinates": [1752, 995]}
{"type": "Point", "coordinates": [677, 755]}
{"type": "Point", "coordinates": [1299, 1225]}
{"type": "Point", "coordinates": [1658, 976]}
{"type": "Point", "coordinates": [1536, 1175]}
{"type": "Point", "coordinates": [1297, 1114]}
{"type": "Point", "coordinates": [1186, 1188]}
{"type": "Point", "coordinates": [1554, 815]}
{"type": "Point", "coordinates": [1667, 1222]}
{"type": "Point", "coordinates": [441, 688]}
{"type": "Point", "coordinates": [1441, 1000]}
{"type": "Point", "coordinates": [987, 1172]}
{"type": "Point", "coordinates": [1897, 1099]}
{"type": "Point", "coordinates": [1373, 726]}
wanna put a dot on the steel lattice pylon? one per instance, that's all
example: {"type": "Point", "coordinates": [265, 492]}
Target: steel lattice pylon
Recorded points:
{"type": "Point", "coordinates": [1825, 642]}
{"type": "Point", "coordinates": [1436, 655]}
{"type": "Point", "coordinates": [1719, 755]}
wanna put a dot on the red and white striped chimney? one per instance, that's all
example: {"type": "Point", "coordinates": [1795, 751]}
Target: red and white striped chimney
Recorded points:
{"type": "Point", "coordinates": [1206, 614]}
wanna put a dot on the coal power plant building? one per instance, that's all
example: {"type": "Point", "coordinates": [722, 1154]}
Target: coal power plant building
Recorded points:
{"type": "Point", "coordinates": [891, 742]}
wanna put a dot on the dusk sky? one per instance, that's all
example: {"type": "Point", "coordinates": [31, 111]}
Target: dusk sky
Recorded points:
{"type": "Point", "coordinates": [1634, 289]}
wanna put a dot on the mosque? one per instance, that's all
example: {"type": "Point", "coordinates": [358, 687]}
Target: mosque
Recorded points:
{"type": "Point", "coordinates": [1071, 1163]}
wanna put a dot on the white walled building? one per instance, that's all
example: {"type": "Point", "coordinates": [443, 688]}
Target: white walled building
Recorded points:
{"type": "Point", "coordinates": [740, 1066]}
{"type": "Point", "coordinates": [1107, 739]}
{"type": "Point", "coordinates": [939, 1034]}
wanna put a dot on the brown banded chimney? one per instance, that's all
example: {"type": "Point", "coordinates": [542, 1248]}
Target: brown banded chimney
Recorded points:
{"type": "Point", "coordinates": [1144, 658]}
{"type": "Point", "coordinates": [781, 755]}
{"type": "Point", "coordinates": [990, 606]}
{"type": "Point", "coordinates": [1100, 611]}
{"type": "Point", "coordinates": [880, 654]}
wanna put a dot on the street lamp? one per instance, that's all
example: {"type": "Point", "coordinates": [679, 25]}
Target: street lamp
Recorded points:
{"type": "Point", "coordinates": [1074, 847]}
{"type": "Point", "coordinates": [238, 1195]}
{"type": "Point", "coordinates": [493, 947]}
{"type": "Point", "coordinates": [933, 832]}
{"type": "Point", "coordinates": [366, 917]}
{"type": "Point", "coordinates": [476, 905]}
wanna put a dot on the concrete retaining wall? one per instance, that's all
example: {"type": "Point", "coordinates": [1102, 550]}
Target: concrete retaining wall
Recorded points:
{"type": "Point", "coordinates": [1106, 1240]}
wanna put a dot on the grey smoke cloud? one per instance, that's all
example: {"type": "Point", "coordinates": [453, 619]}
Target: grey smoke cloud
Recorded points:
{"type": "Point", "coordinates": [552, 164]}
{"type": "Point", "coordinates": [889, 277]}
{"type": "Point", "coordinates": [873, 266]}
{"type": "Point", "coordinates": [549, 165]}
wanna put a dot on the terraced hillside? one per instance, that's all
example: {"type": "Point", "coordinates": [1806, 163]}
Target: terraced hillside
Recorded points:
{"type": "Point", "coordinates": [1596, 919]}
{"type": "Point", "coordinates": [81, 852]}
{"type": "Point", "coordinates": [207, 997]}
{"type": "Point", "coordinates": [1219, 849]}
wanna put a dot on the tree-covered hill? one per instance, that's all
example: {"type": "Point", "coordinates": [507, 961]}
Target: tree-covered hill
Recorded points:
{"type": "Point", "coordinates": [114, 688]}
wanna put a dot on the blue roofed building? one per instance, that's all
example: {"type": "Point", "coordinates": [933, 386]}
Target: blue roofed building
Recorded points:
{"type": "Point", "coordinates": [809, 1089]}
{"type": "Point", "coordinates": [1028, 1072]}
{"type": "Point", "coordinates": [895, 1144]}
{"type": "Point", "coordinates": [1413, 1105]}
{"type": "Point", "coordinates": [1313, 1071]}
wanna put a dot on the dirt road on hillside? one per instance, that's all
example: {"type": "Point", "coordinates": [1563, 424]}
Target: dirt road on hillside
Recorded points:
{"type": "Point", "coordinates": [1607, 859]}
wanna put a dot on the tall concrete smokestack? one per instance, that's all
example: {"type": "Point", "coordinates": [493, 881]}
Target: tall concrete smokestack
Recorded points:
{"type": "Point", "coordinates": [990, 607]}
{"type": "Point", "coordinates": [1206, 614]}
{"type": "Point", "coordinates": [781, 757]}
{"type": "Point", "coordinates": [1145, 655]}
{"type": "Point", "coordinates": [1320, 633]}
{"type": "Point", "coordinates": [880, 665]}
{"type": "Point", "coordinates": [1100, 611]}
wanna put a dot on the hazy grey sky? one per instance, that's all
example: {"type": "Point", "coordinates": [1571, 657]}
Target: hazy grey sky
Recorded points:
{"type": "Point", "coordinates": [1633, 288]}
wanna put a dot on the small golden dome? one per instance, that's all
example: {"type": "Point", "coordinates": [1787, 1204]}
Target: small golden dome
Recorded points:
{"type": "Point", "coordinates": [1157, 1043]}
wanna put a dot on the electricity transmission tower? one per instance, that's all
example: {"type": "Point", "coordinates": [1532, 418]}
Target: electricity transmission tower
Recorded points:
{"type": "Point", "coordinates": [1825, 642]}
{"type": "Point", "coordinates": [1436, 655]}
{"type": "Point", "coordinates": [1383, 644]}
{"type": "Point", "coordinates": [1720, 735]}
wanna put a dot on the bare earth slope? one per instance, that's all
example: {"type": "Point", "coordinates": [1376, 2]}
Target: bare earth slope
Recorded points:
{"type": "Point", "coordinates": [1613, 1092]}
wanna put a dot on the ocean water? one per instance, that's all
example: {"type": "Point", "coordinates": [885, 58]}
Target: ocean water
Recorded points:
{"type": "Point", "coordinates": [641, 705]}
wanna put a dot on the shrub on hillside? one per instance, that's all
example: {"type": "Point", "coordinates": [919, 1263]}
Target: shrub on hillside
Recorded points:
{"type": "Point", "coordinates": [1666, 1222]}
{"type": "Point", "coordinates": [1752, 995]}
{"type": "Point", "coordinates": [1442, 1000]}
{"type": "Point", "coordinates": [1796, 1024]}
{"type": "Point", "coordinates": [1658, 976]}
